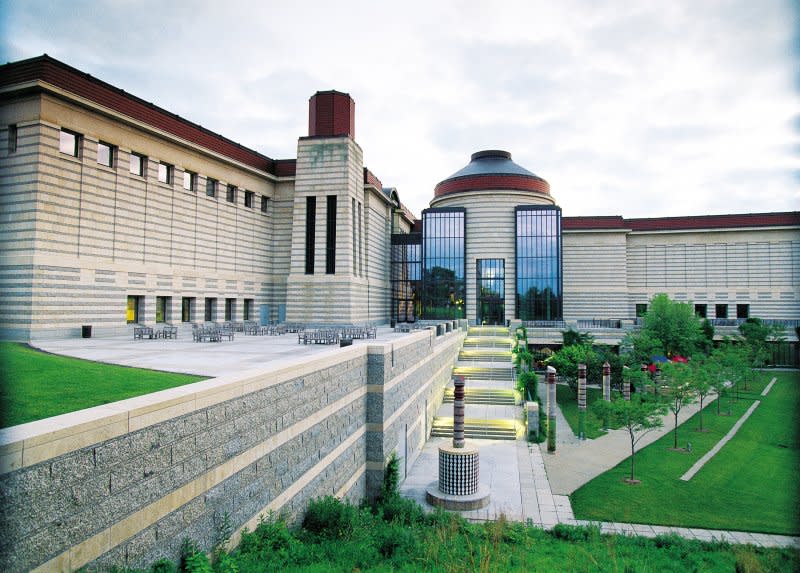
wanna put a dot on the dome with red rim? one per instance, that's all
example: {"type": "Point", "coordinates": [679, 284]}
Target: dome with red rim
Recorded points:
{"type": "Point", "coordinates": [492, 169]}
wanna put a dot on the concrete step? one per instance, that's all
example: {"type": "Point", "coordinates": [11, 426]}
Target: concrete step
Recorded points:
{"type": "Point", "coordinates": [483, 373]}
{"type": "Point", "coordinates": [496, 396]}
{"type": "Point", "coordinates": [475, 428]}
{"type": "Point", "coordinates": [484, 355]}
{"type": "Point", "coordinates": [488, 331]}
{"type": "Point", "coordinates": [488, 342]}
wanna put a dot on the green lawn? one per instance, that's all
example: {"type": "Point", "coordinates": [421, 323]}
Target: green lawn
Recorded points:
{"type": "Point", "coordinates": [36, 385]}
{"type": "Point", "coordinates": [568, 402]}
{"type": "Point", "coordinates": [750, 485]}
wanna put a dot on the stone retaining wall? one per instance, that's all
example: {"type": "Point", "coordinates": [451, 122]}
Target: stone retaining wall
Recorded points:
{"type": "Point", "coordinates": [124, 484]}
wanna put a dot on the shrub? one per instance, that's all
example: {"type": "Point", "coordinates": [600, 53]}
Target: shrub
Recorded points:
{"type": "Point", "coordinates": [193, 559]}
{"type": "Point", "coordinates": [391, 478]}
{"type": "Point", "coordinates": [331, 518]}
{"type": "Point", "coordinates": [573, 533]}
{"type": "Point", "coordinates": [401, 510]}
{"type": "Point", "coordinates": [270, 538]}
{"type": "Point", "coordinates": [163, 566]}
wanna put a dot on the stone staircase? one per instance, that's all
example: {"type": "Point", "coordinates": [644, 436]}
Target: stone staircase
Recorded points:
{"type": "Point", "coordinates": [485, 363]}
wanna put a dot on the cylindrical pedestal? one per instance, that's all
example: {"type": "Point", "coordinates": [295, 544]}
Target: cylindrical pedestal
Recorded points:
{"type": "Point", "coordinates": [458, 470]}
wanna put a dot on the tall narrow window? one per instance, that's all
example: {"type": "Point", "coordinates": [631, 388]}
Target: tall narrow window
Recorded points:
{"type": "Point", "coordinates": [264, 204]}
{"type": "Point", "coordinates": [231, 195]}
{"type": "Point", "coordinates": [360, 242]}
{"type": "Point", "coordinates": [311, 224]}
{"type": "Point", "coordinates": [138, 163]}
{"type": "Point", "coordinates": [248, 199]}
{"type": "Point", "coordinates": [69, 143]}
{"type": "Point", "coordinates": [187, 309]}
{"type": "Point", "coordinates": [355, 238]}
{"type": "Point", "coordinates": [539, 292]}
{"type": "Point", "coordinates": [330, 236]}
{"type": "Point", "coordinates": [165, 173]}
{"type": "Point", "coordinates": [211, 309]}
{"type": "Point", "coordinates": [133, 308]}
{"type": "Point", "coordinates": [163, 304]}
{"type": "Point", "coordinates": [12, 138]}
{"type": "Point", "coordinates": [190, 181]}
{"type": "Point", "coordinates": [443, 261]}
{"type": "Point", "coordinates": [211, 187]}
{"type": "Point", "coordinates": [105, 154]}
{"type": "Point", "coordinates": [230, 309]}
{"type": "Point", "coordinates": [248, 309]}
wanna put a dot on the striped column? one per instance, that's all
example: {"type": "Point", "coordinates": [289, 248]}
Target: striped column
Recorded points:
{"type": "Point", "coordinates": [551, 410]}
{"type": "Point", "coordinates": [458, 412]}
{"type": "Point", "coordinates": [606, 389]}
{"type": "Point", "coordinates": [581, 401]}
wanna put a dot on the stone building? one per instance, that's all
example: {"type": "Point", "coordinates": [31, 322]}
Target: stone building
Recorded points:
{"type": "Point", "coordinates": [116, 212]}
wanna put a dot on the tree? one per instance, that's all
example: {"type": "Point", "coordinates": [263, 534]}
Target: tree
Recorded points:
{"type": "Point", "coordinates": [574, 338]}
{"type": "Point", "coordinates": [675, 324]}
{"type": "Point", "coordinates": [701, 382]}
{"type": "Point", "coordinates": [678, 390]}
{"type": "Point", "coordinates": [727, 366]}
{"type": "Point", "coordinates": [707, 338]}
{"type": "Point", "coordinates": [757, 338]}
{"type": "Point", "coordinates": [639, 347]}
{"type": "Point", "coordinates": [639, 415]}
{"type": "Point", "coordinates": [566, 361]}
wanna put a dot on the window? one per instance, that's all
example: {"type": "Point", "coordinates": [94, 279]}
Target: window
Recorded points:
{"type": "Point", "coordinates": [721, 310]}
{"type": "Point", "coordinates": [211, 310]}
{"type": "Point", "coordinates": [443, 263]}
{"type": "Point", "coordinates": [742, 311]}
{"type": "Point", "coordinates": [163, 304]}
{"type": "Point", "coordinates": [490, 290]}
{"type": "Point", "coordinates": [105, 154]}
{"type": "Point", "coordinates": [701, 310]}
{"type": "Point", "coordinates": [133, 308]}
{"type": "Point", "coordinates": [248, 309]}
{"type": "Point", "coordinates": [406, 275]}
{"type": "Point", "coordinates": [190, 181]}
{"type": "Point", "coordinates": [641, 310]}
{"type": "Point", "coordinates": [355, 237]}
{"type": "Point", "coordinates": [539, 284]}
{"type": "Point", "coordinates": [311, 223]}
{"type": "Point", "coordinates": [165, 173]}
{"type": "Point", "coordinates": [13, 134]}
{"type": "Point", "coordinates": [264, 204]}
{"type": "Point", "coordinates": [330, 236]}
{"type": "Point", "coordinates": [230, 309]}
{"type": "Point", "coordinates": [211, 187]}
{"type": "Point", "coordinates": [138, 163]}
{"type": "Point", "coordinates": [248, 199]}
{"type": "Point", "coordinates": [187, 309]}
{"type": "Point", "coordinates": [231, 195]}
{"type": "Point", "coordinates": [69, 143]}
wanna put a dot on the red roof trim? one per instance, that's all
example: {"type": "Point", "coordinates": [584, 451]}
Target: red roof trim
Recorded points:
{"type": "Point", "coordinates": [61, 75]}
{"type": "Point", "coordinates": [371, 179]}
{"type": "Point", "coordinates": [683, 223]}
{"type": "Point", "coordinates": [492, 181]}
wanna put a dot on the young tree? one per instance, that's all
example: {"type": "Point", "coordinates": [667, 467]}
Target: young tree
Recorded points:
{"type": "Point", "coordinates": [638, 416]}
{"type": "Point", "coordinates": [701, 382]}
{"type": "Point", "coordinates": [566, 361]}
{"type": "Point", "coordinates": [673, 323]}
{"type": "Point", "coordinates": [757, 338]}
{"type": "Point", "coordinates": [639, 347]}
{"type": "Point", "coordinates": [678, 390]}
{"type": "Point", "coordinates": [727, 367]}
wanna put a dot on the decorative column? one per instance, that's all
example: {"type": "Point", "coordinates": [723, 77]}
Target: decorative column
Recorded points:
{"type": "Point", "coordinates": [626, 388]}
{"type": "Point", "coordinates": [458, 412]}
{"type": "Point", "coordinates": [581, 401]}
{"type": "Point", "coordinates": [551, 410]}
{"type": "Point", "coordinates": [606, 389]}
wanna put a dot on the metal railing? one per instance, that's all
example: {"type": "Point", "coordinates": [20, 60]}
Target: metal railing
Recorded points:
{"type": "Point", "coordinates": [600, 323]}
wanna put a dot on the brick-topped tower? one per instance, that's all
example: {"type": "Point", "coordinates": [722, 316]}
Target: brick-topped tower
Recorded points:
{"type": "Point", "coordinates": [331, 113]}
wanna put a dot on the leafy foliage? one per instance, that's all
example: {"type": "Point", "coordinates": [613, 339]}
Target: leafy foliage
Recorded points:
{"type": "Point", "coordinates": [675, 324]}
{"type": "Point", "coordinates": [572, 337]}
{"type": "Point", "coordinates": [679, 390]}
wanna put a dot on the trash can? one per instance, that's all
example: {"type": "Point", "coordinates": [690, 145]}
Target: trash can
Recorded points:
{"type": "Point", "coordinates": [86, 331]}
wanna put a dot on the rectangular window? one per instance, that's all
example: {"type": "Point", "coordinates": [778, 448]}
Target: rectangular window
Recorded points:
{"type": "Point", "coordinates": [231, 195]}
{"type": "Point", "coordinates": [311, 224]}
{"type": "Point", "coordinates": [230, 309]}
{"type": "Point", "coordinates": [701, 310]}
{"type": "Point", "coordinates": [211, 187]}
{"type": "Point", "coordinates": [190, 181]}
{"type": "Point", "coordinates": [742, 311]}
{"type": "Point", "coordinates": [249, 198]}
{"type": "Point", "coordinates": [187, 309]}
{"type": "Point", "coordinates": [211, 309]}
{"type": "Point", "coordinates": [330, 236]}
{"type": "Point", "coordinates": [406, 276]}
{"type": "Point", "coordinates": [138, 163]}
{"type": "Point", "coordinates": [133, 308]}
{"type": "Point", "coordinates": [105, 154]}
{"type": "Point", "coordinates": [539, 280]}
{"type": "Point", "coordinates": [641, 310]}
{"type": "Point", "coordinates": [165, 173]}
{"type": "Point", "coordinates": [444, 291]}
{"type": "Point", "coordinates": [163, 304]}
{"type": "Point", "coordinates": [69, 143]}
{"type": "Point", "coordinates": [721, 310]}
{"type": "Point", "coordinates": [360, 242]}
{"type": "Point", "coordinates": [264, 204]}
{"type": "Point", "coordinates": [248, 309]}
{"type": "Point", "coordinates": [355, 237]}
{"type": "Point", "coordinates": [13, 134]}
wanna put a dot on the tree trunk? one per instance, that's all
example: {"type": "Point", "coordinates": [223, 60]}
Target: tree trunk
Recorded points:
{"type": "Point", "coordinates": [675, 432]}
{"type": "Point", "coordinates": [700, 413]}
{"type": "Point", "coordinates": [633, 454]}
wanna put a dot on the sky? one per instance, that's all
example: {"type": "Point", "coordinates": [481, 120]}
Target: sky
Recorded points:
{"type": "Point", "coordinates": [639, 109]}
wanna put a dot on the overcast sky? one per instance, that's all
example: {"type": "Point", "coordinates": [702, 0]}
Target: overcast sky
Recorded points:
{"type": "Point", "coordinates": [639, 109]}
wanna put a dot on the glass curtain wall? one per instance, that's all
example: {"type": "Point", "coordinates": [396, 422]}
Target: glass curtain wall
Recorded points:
{"type": "Point", "coordinates": [406, 275]}
{"type": "Point", "coordinates": [443, 262]}
{"type": "Point", "coordinates": [538, 255]}
{"type": "Point", "coordinates": [491, 289]}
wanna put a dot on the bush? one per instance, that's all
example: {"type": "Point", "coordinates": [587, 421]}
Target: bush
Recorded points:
{"type": "Point", "coordinates": [573, 533]}
{"type": "Point", "coordinates": [331, 518]}
{"type": "Point", "coordinates": [193, 559]}
{"type": "Point", "coordinates": [271, 538]}
{"type": "Point", "coordinates": [391, 479]}
{"type": "Point", "coordinates": [401, 510]}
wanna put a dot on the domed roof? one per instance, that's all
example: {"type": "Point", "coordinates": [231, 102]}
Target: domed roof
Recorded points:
{"type": "Point", "coordinates": [492, 169]}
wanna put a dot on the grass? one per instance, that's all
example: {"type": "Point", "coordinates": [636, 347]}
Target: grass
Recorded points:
{"type": "Point", "coordinates": [36, 385]}
{"type": "Point", "coordinates": [749, 485]}
{"type": "Point", "coordinates": [568, 402]}
{"type": "Point", "coordinates": [340, 537]}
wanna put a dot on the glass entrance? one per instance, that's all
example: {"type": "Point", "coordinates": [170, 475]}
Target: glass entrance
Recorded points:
{"type": "Point", "coordinates": [491, 288]}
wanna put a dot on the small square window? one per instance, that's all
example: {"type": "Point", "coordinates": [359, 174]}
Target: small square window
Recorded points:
{"type": "Point", "coordinates": [231, 195]}
{"type": "Point", "coordinates": [742, 311]}
{"type": "Point", "coordinates": [641, 310]}
{"type": "Point", "coordinates": [701, 310]}
{"type": "Point", "coordinates": [248, 199]}
{"type": "Point", "coordinates": [211, 187]}
{"type": "Point", "coordinates": [105, 154]}
{"type": "Point", "coordinates": [12, 138]}
{"type": "Point", "coordinates": [69, 143]}
{"type": "Point", "coordinates": [190, 181]}
{"type": "Point", "coordinates": [264, 204]}
{"type": "Point", "coordinates": [138, 163]}
{"type": "Point", "coordinates": [165, 173]}
{"type": "Point", "coordinates": [721, 310]}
